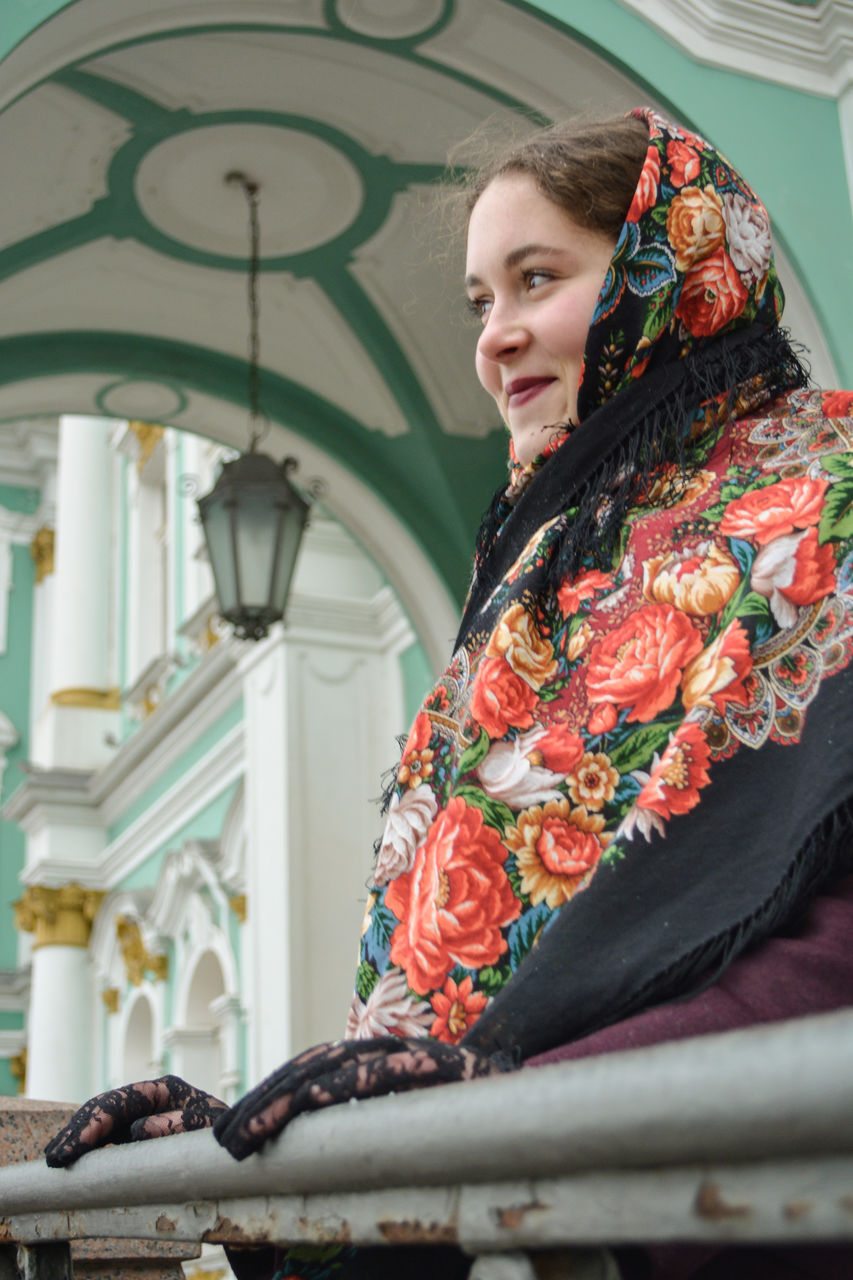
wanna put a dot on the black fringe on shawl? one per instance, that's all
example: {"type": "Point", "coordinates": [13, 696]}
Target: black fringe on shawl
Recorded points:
{"type": "Point", "coordinates": [826, 854]}
{"type": "Point", "coordinates": [761, 363]}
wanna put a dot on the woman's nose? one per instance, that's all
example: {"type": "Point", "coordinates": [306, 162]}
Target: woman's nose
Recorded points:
{"type": "Point", "coordinates": [503, 334]}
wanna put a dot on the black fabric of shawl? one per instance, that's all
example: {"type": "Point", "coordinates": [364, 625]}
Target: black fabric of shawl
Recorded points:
{"type": "Point", "coordinates": [672, 393]}
{"type": "Point", "coordinates": [661, 923]}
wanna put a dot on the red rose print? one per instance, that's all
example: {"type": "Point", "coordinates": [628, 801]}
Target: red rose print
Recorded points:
{"type": "Point", "coordinates": [837, 404]}
{"type": "Point", "coordinates": [501, 699]}
{"type": "Point", "coordinates": [675, 782]}
{"type": "Point", "coordinates": [640, 664]}
{"type": "Point", "coordinates": [584, 587]}
{"type": "Point", "coordinates": [454, 902]}
{"type": "Point", "coordinates": [560, 749]}
{"type": "Point", "coordinates": [713, 294]}
{"type": "Point", "coordinates": [814, 571]}
{"type": "Point", "coordinates": [767, 514]}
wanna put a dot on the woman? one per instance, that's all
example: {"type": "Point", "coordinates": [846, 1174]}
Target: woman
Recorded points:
{"type": "Point", "coordinates": [585, 826]}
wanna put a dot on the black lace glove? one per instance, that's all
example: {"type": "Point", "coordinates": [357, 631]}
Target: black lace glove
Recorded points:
{"type": "Point", "coordinates": [335, 1072]}
{"type": "Point", "coordinates": [149, 1109]}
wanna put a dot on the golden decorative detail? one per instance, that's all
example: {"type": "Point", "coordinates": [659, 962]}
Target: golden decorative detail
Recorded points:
{"type": "Point", "coordinates": [110, 998]}
{"type": "Point", "coordinates": [149, 436]}
{"type": "Point", "coordinates": [18, 1068]}
{"type": "Point", "coordinates": [58, 917]}
{"type": "Point", "coordinates": [238, 906]}
{"type": "Point", "coordinates": [99, 699]}
{"type": "Point", "coordinates": [138, 960]}
{"type": "Point", "coordinates": [41, 550]}
{"type": "Point", "coordinates": [198, 1274]}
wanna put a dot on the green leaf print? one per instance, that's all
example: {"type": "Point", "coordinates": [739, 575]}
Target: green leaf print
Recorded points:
{"type": "Point", "coordinates": [493, 978]}
{"type": "Point", "coordinates": [837, 518]}
{"type": "Point", "coordinates": [495, 812]}
{"type": "Point", "coordinates": [472, 756]}
{"type": "Point", "coordinates": [366, 979]}
{"type": "Point", "coordinates": [637, 750]}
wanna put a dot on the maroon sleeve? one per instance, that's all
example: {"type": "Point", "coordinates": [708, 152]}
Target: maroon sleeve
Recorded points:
{"type": "Point", "coordinates": [807, 971]}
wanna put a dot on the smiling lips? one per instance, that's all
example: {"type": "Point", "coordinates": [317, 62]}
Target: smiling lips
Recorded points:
{"type": "Point", "coordinates": [521, 390]}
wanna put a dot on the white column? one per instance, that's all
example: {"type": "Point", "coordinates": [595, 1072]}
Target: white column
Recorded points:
{"type": "Point", "coordinates": [59, 1024]}
{"type": "Point", "coordinates": [72, 727]}
{"type": "Point", "coordinates": [267, 932]}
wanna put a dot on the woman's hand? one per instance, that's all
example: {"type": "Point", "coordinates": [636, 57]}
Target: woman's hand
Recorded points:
{"type": "Point", "coordinates": [336, 1072]}
{"type": "Point", "coordinates": [149, 1109]}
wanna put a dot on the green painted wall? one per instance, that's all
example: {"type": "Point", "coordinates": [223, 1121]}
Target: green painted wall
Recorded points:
{"type": "Point", "coordinates": [205, 825]}
{"type": "Point", "coordinates": [417, 678]}
{"type": "Point", "coordinates": [19, 17]}
{"type": "Point", "coordinates": [8, 1083]}
{"type": "Point", "coordinates": [15, 703]}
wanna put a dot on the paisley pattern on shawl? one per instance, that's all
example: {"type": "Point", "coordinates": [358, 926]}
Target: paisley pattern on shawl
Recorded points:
{"type": "Point", "coordinates": [557, 771]}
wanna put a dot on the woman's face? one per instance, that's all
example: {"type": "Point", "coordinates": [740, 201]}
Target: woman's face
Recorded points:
{"type": "Point", "coordinates": [533, 278]}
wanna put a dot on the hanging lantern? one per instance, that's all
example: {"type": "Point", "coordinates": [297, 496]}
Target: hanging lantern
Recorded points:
{"type": "Point", "coordinates": [253, 518]}
{"type": "Point", "coordinates": [253, 523]}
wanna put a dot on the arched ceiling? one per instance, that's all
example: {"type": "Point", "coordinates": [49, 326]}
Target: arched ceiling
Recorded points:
{"type": "Point", "coordinates": [123, 251]}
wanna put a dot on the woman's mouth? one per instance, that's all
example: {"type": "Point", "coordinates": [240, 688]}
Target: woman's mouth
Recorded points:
{"type": "Point", "coordinates": [521, 390]}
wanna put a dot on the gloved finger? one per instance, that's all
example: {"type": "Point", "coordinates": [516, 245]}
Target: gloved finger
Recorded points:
{"type": "Point", "coordinates": [364, 1071]}
{"type": "Point", "coordinates": [159, 1126]}
{"type": "Point", "coordinates": [108, 1116]}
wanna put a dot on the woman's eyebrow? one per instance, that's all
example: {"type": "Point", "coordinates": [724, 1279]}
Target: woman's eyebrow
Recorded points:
{"type": "Point", "coordinates": [514, 257]}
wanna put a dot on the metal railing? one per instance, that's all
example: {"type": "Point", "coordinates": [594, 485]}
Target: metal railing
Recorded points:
{"type": "Point", "coordinates": [746, 1136]}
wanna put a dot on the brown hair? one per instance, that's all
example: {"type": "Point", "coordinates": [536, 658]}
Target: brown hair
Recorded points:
{"type": "Point", "coordinates": [590, 169]}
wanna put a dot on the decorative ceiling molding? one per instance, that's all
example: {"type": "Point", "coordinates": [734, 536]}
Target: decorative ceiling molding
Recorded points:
{"type": "Point", "coordinates": [801, 46]}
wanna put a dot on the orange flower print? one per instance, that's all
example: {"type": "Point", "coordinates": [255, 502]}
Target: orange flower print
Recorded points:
{"type": "Point", "coordinates": [593, 784]}
{"type": "Point", "coordinates": [780, 508]}
{"type": "Point", "coordinates": [583, 587]}
{"type": "Point", "coordinates": [557, 848]}
{"type": "Point", "coordinates": [416, 765]}
{"type": "Point", "coordinates": [712, 295]}
{"type": "Point", "coordinates": [500, 699]}
{"type": "Point", "coordinates": [454, 902]}
{"type": "Point", "coordinates": [517, 639]}
{"type": "Point", "coordinates": [694, 225]}
{"type": "Point", "coordinates": [683, 162]}
{"type": "Point", "coordinates": [697, 580]}
{"type": "Point", "coordinates": [457, 1008]}
{"type": "Point", "coordinates": [716, 675]}
{"type": "Point", "coordinates": [678, 776]}
{"type": "Point", "coordinates": [647, 189]}
{"type": "Point", "coordinates": [640, 663]}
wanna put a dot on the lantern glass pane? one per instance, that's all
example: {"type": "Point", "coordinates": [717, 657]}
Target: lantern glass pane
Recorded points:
{"type": "Point", "coordinates": [291, 534]}
{"type": "Point", "coordinates": [256, 526]}
{"type": "Point", "coordinates": [220, 546]}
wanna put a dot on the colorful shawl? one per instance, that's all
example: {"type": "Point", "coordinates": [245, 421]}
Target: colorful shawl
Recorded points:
{"type": "Point", "coordinates": [632, 769]}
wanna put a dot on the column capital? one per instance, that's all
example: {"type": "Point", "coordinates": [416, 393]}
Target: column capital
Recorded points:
{"type": "Point", "coordinates": [42, 549]}
{"type": "Point", "coordinates": [58, 916]}
{"type": "Point", "coordinates": [149, 435]}
{"type": "Point", "coordinates": [138, 960]}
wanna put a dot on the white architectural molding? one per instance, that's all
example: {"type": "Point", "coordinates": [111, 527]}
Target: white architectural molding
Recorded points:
{"type": "Point", "coordinates": [801, 46]}
{"type": "Point", "coordinates": [28, 451]}
{"type": "Point", "coordinates": [8, 734]}
{"type": "Point", "coordinates": [198, 787]}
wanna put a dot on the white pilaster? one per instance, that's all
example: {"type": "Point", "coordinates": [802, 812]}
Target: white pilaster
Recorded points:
{"type": "Point", "coordinates": [71, 729]}
{"type": "Point", "coordinates": [60, 1028]}
{"type": "Point", "coordinates": [267, 932]}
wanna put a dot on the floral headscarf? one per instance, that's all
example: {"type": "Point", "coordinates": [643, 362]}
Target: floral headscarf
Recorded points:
{"type": "Point", "coordinates": [693, 261]}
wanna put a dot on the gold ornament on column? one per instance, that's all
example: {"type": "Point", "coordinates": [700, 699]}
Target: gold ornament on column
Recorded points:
{"type": "Point", "coordinates": [110, 997]}
{"type": "Point", "coordinates": [149, 435]}
{"type": "Point", "coordinates": [18, 1069]}
{"type": "Point", "coordinates": [238, 906]}
{"type": "Point", "coordinates": [138, 960]}
{"type": "Point", "coordinates": [58, 917]}
{"type": "Point", "coordinates": [41, 550]}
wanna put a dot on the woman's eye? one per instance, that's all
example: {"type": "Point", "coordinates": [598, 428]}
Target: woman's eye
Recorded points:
{"type": "Point", "coordinates": [536, 278]}
{"type": "Point", "coordinates": [479, 307]}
